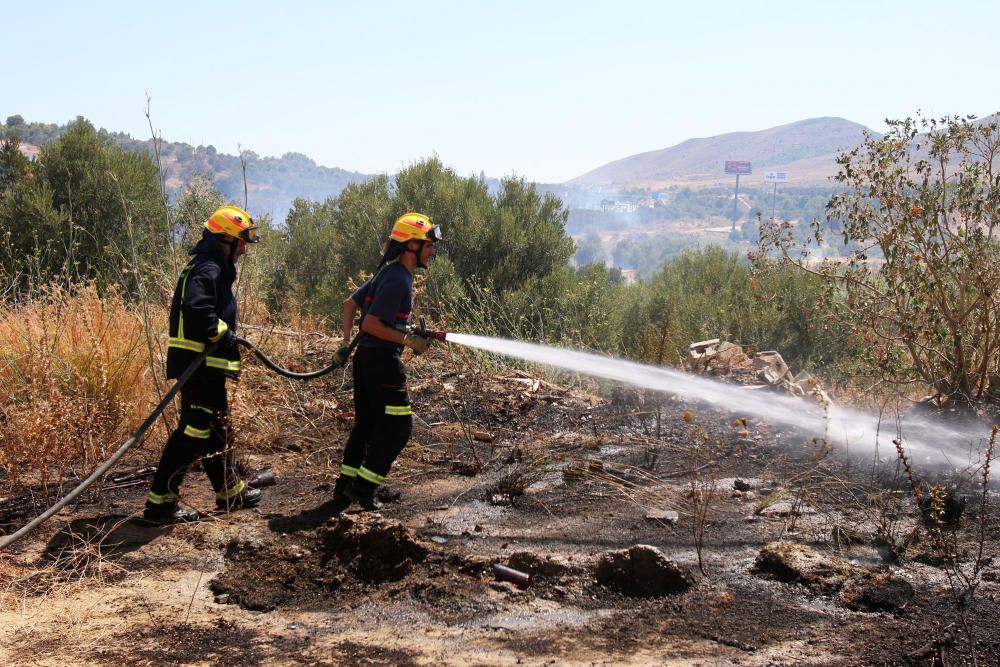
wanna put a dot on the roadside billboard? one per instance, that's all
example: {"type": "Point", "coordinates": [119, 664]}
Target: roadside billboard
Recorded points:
{"type": "Point", "coordinates": [776, 177]}
{"type": "Point", "coordinates": [737, 167]}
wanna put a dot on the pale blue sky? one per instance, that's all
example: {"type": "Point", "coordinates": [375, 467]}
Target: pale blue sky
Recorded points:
{"type": "Point", "coordinates": [546, 90]}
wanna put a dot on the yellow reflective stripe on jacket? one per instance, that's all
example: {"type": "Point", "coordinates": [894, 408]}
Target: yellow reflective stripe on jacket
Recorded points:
{"type": "Point", "coordinates": [369, 476]}
{"type": "Point", "coordinates": [224, 364]}
{"type": "Point", "coordinates": [162, 499]}
{"type": "Point", "coordinates": [232, 491]}
{"type": "Point", "coordinates": [348, 471]}
{"type": "Point", "coordinates": [200, 433]}
{"type": "Point", "coordinates": [180, 341]}
{"type": "Point", "coordinates": [220, 328]}
{"type": "Point", "coordinates": [398, 410]}
{"type": "Point", "coordinates": [180, 309]}
{"type": "Point", "coordinates": [185, 344]}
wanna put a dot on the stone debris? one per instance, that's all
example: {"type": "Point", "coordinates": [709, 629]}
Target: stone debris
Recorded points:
{"type": "Point", "coordinates": [786, 508]}
{"type": "Point", "coordinates": [858, 588]}
{"type": "Point", "coordinates": [722, 358]}
{"type": "Point", "coordinates": [715, 357]}
{"type": "Point", "coordinates": [771, 367]}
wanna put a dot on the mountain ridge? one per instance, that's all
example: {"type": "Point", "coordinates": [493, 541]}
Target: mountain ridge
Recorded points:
{"type": "Point", "coordinates": [808, 147]}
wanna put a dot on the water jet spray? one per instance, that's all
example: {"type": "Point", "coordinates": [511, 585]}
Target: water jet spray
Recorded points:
{"type": "Point", "coordinates": [926, 441]}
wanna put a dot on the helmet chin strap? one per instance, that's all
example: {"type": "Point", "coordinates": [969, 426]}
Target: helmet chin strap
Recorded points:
{"type": "Point", "coordinates": [422, 242]}
{"type": "Point", "coordinates": [415, 252]}
{"type": "Point", "coordinates": [232, 244]}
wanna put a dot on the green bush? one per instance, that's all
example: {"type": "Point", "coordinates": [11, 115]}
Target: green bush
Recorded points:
{"type": "Point", "coordinates": [711, 293]}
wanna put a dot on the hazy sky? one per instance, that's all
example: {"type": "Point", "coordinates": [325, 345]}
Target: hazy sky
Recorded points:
{"type": "Point", "coordinates": [546, 90]}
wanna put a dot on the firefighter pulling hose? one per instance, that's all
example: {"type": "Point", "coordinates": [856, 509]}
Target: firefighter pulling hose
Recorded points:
{"type": "Point", "coordinates": [203, 351]}
{"type": "Point", "coordinates": [202, 312]}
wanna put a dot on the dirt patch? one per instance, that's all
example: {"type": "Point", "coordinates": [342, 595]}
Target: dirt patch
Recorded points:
{"type": "Point", "coordinates": [642, 571]}
{"type": "Point", "coordinates": [876, 591]}
{"type": "Point", "coordinates": [798, 563]}
{"type": "Point", "coordinates": [374, 549]}
{"type": "Point", "coordinates": [305, 570]}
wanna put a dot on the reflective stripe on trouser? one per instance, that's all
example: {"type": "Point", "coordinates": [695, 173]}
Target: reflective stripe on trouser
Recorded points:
{"type": "Point", "coordinates": [369, 476]}
{"type": "Point", "coordinates": [383, 415]}
{"type": "Point", "coordinates": [161, 498]}
{"type": "Point", "coordinates": [202, 433]}
{"type": "Point", "coordinates": [231, 492]}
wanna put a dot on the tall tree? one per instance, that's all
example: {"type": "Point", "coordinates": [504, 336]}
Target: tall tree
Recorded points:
{"type": "Point", "coordinates": [116, 227]}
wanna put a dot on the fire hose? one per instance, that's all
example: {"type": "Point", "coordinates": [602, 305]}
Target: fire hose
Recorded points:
{"type": "Point", "coordinates": [339, 360]}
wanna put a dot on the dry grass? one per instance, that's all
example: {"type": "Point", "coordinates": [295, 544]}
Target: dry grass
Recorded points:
{"type": "Point", "coordinates": [75, 371]}
{"type": "Point", "coordinates": [80, 372]}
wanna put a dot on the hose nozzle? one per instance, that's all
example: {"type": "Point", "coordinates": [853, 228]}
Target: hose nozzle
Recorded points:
{"type": "Point", "coordinates": [422, 330]}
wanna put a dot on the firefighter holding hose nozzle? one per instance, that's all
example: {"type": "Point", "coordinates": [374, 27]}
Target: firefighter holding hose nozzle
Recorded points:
{"type": "Point", "coordinates": [203, 313]}
{"type": "Point", "coordinates": [383, 417]}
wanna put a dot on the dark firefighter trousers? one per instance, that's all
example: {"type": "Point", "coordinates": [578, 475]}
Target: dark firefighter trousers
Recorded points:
{"type": "Point", "coordinates": [202, 433]}
{"type": "Point", "coordinates": [383, 418]}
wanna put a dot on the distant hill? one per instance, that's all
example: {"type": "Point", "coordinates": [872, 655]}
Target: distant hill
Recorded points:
{"type": "Point", "coordinates": [807, 149]}
{"type": "Point", "coordinates": [272, 182]}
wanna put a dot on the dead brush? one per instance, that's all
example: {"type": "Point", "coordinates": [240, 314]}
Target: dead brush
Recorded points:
{"type": "Point", "coordinates": [704, 451]}
{"type": "Point", "coordinates": [74, 368]}
{"type": "Point", "coordinates": [84, 551]}
{"type": "Point", "coordinates": [510, 481]}
{"type": "Point", "coordinates": [514, 470]}
{"type": "Point", "coordinates": [576, 459]}
{"type": "Point", "coordinates": [940, 519]}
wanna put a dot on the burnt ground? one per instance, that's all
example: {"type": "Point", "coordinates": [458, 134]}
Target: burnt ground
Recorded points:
{"type": "Point", "coordinates": [806, 558]}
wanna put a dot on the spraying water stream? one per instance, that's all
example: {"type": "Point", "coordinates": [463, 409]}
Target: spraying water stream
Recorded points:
{"type": "Point", "coordinates": [928, 442]}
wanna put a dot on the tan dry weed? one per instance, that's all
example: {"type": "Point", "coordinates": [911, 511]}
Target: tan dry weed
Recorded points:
{"type": "Point", "coordinates": [75, 380]}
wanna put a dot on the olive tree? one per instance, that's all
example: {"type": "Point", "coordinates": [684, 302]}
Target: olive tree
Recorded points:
{"type": "Point", "coordinates": [919, 255]}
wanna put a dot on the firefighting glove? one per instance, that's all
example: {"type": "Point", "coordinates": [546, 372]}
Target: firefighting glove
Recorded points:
{"type": "Point", "coordinates": [341, 355]}
{"type": "Point", "coordinates": [227, 342]}
{"type": "Point", "coordinates": [417, 343]}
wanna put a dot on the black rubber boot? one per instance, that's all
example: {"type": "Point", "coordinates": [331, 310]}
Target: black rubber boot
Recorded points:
{"type": "Point", "coordinates": [363, 493]}
{"type": "Point", "coordinates": [168, 514]}
{"type": "Point", "coordinates": [245, 499]}
{"type": "Point", "coordinates": [341, 501]}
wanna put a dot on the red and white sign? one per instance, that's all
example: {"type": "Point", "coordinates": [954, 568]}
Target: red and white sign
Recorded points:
{"type": "Point", "coordinates": [736, 167]}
